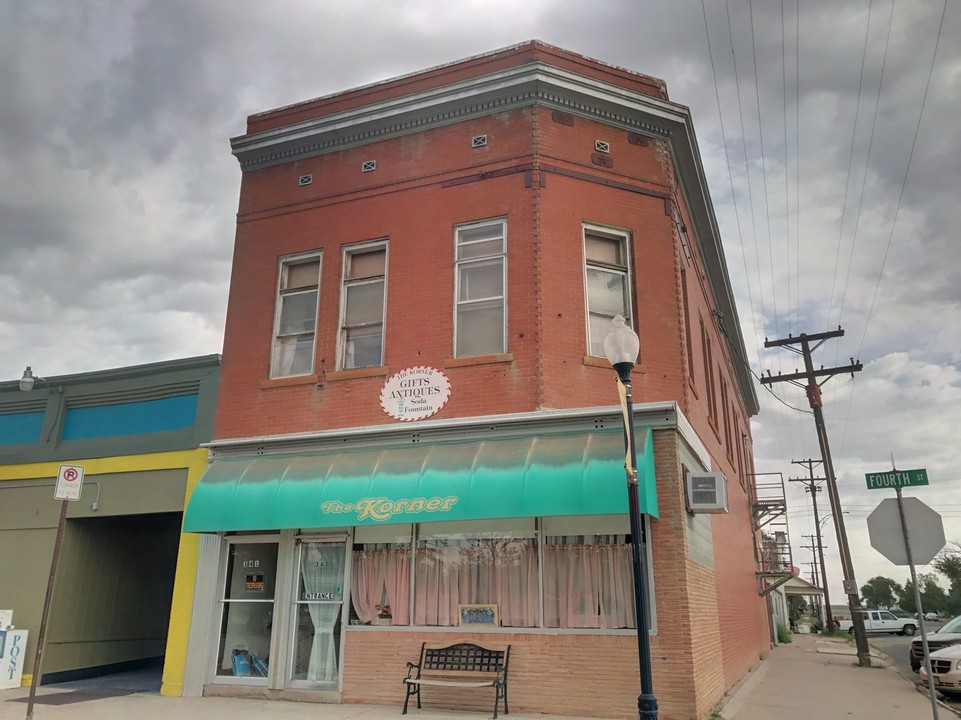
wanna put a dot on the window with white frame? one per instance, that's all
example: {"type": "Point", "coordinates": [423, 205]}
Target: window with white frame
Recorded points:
{"type": "Point", "coordinates": [362, 306]}
{"type": "Point", "coordinates": [588, 572]}
{"type": "Point", "coordinates": [608, 284]}
{"type": "Point", "coordinates": [296, 319]}
{"type": "Point", "coordinates": [480, 308]}
{"type": "Point", "coordinates": [492, 562]}
{"type": "Point", "coordinates": [579, 568]}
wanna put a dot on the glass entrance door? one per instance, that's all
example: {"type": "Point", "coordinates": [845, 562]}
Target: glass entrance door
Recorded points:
{"type": "Point", "coordinates": [317, 610]}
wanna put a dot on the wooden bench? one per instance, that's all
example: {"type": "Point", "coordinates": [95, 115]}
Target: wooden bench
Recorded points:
{"type": "Point", "coordinates": [463, 665]}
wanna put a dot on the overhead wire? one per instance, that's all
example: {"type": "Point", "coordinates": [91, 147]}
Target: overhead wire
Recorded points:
{"type": "Point", "coordinates": [907, 170]}
{"type": "Point", "coordinates": [730, 175]}
{"type": "Point", "coordinates": [767, 204]}
{"type": "Point", "coordinates": [847, 181]}
{"type": "Point", "coordinates": [780, 424]}
{"type": "Point", "coordinates": [787, 207]}
{"type": "Point", "coordinates": [904, 182]}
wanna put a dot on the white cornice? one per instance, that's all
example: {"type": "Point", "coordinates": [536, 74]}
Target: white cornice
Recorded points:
{"type": "Point", "coordinates": [534, 83]}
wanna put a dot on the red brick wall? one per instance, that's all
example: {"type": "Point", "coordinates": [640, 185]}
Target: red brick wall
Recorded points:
{"type": "Point", "coordinates": [585, 675]}
{"type": "Point", "coordinates": [702, 612]}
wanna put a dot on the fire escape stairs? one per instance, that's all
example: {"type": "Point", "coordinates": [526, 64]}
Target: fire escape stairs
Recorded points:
{"type": "Point", "coordinates": [772, 540]}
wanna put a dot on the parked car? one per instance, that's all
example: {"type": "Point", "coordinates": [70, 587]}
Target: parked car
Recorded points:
{"type": "Point", "coordinates": [931, 615]}
{"type": "Point", "coordinates": [884, 621]}
{"type": "Point", "coordinates": [945, 636]}
{"type": "Point", "coordinates": [946, 668]}
{"type": "Point", "coordinates": [898, 612]}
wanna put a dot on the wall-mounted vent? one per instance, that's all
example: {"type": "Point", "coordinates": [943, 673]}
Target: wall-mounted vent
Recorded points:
{"type": "Point", "coordinates": [305, 180]}
{"type": "Point", "coordinates": [602, 160]}
{"type": "Point", "coordinates": [368, 166]}
{"type": "Point", "coordinates": [478, 141]}
{"type": "Point", "coordinates": [602, 146]}
{"type": "Point", "coordinates": [707, 492]}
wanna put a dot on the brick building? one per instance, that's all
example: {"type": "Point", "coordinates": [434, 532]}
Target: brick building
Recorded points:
{"type": "Point", "coordinates": [416, 415]}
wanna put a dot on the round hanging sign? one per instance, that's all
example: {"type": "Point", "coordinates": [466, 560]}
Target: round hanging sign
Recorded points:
{"type": "Point", "coordinates": [415, 393]}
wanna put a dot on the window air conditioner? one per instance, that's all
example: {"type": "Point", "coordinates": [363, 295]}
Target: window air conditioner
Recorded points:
{"type": "Point", "coordinates": [707, 493]}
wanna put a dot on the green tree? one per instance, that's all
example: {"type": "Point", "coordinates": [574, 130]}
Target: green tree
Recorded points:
{"type": "Point", "coordinates": [933, 596]}
{"type": "Point", "coordinates": [948, 563]}
{"type": "Point", "coordinates": [881, 592]}
{"type": "Point", "coordinates": [797, 606]}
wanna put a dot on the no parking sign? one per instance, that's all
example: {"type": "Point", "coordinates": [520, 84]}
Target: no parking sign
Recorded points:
{"type": "Point", "coordinates": [69, 482]}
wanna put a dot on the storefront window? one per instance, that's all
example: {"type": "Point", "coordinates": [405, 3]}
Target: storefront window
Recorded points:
{"type": "Point", "coordinates": [488, 563]}
{"type": "Point", "coordinates": [319, 605]}
{"type": "Point", "coordinates": [588, 573]}
{"type": "Point", "coordinates": [248, 609]}
{"type": "Point", "coordinates": [380, 575]}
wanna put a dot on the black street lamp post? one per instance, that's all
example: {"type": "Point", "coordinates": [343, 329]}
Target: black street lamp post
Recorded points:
{"type": "Point", "coordinates": [621, 346]}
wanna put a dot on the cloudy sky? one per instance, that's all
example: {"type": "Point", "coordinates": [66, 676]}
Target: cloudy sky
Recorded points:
{"type": "Point", "coordinates": [830, 140]}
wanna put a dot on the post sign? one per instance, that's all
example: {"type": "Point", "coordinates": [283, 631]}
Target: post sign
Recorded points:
{"type": "Point", "coordinates": [69, 482]}
{"type": "Point", "coordinates": [415, 393]}
{"type": "Point", "coordinates": [896, 478]}
{"type": "Point", "coordinates": [12, 658]}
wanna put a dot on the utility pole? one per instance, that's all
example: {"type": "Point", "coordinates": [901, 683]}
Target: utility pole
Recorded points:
{"type": "Point", "coordinates": [815, 574]}
{"type": "Point", "coordinates": [813, 389]}
{"type": "Point", "coordinates": [813, 486]}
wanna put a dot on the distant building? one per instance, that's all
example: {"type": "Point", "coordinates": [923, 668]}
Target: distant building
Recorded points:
{"type": "Point", "coordinates": [416, 415]}
{"type": "Point", "coordinates": [125, 577]}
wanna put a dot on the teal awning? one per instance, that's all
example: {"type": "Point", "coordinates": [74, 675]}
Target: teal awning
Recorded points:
{"type": "Point", "coordinates": [557, 474]}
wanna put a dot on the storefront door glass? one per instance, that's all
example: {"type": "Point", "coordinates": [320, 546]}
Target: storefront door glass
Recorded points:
{"type": "Point", "coordinates": [317, 611]}
{"type": "Point", "coordinates": [248, 610]}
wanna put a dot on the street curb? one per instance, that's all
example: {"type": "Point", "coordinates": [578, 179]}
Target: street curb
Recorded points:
{"type": "Point", "coordinates": [734, 699]}
{"type": "Point", "coordinates": [918, 686]}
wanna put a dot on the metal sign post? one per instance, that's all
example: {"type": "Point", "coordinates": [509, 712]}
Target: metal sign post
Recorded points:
{"type": "Point", "coordinates": [69, 487]}
{"type": "Point", "coordinates": [917, 603]}
{"type": "Point", "coordinates": [926, 524]}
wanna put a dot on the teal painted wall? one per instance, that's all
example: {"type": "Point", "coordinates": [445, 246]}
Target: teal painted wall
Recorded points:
{"type": "Point", "coordinates": [19, 428]}
{"type": "Point", "coordinates": [132, 418]}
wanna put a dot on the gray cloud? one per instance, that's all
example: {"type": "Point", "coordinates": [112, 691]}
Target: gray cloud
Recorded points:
{"type": "Point", "coordinates": [118, 191]}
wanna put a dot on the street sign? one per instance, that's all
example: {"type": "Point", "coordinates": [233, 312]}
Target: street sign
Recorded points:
{"type": "Point", "coordinates": [924, 525]}
{"type": "Point", "coordinates": [896, 479]}
{"type": "Point", "coordinates": [69, 482]}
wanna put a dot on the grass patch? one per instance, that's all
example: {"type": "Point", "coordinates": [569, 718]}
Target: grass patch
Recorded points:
{"type": "Point", "coordinates": [783, 634]}
{"type": "Point", "coordinates": [836, 633]}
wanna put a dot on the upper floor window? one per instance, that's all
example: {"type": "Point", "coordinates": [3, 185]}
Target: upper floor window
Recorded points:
{"type": "Point", "coordinates": [295, 326]}
{"type": "Point", "coordinates": [480, 307]}
{"type": "Point", "coordinates": [608, 284]}
{"type": "Point", "coordinates": [362, 306]}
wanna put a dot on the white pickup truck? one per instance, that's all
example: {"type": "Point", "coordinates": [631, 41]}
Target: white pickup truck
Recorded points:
{"type": "Point", "coordinates": [881, 621]}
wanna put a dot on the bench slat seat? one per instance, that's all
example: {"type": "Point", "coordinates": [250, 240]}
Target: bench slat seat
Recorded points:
{"type": "Point", "coordinates": [459, 665]}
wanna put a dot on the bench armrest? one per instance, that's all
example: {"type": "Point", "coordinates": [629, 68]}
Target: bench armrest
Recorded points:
{"type": "Point", "coordinates": [411, 667]}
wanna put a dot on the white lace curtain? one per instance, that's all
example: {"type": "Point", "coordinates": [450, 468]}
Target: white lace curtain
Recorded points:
{"type": "Point", "coordinates": [585, 586]}
{"type": "Point", "coordinates": [588, 586]}
{"type": "Point", "coordinates": [322, 570]}
{"type": "Point", "coordinates": [380, 574]}
{"type": "Point", "coordinates": [501, 572]}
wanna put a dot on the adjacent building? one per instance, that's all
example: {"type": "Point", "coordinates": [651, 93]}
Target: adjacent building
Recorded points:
{"type": "Point", "coordinates": [418, 437]}
{"type": "Point", "coordinates": [125, 577]}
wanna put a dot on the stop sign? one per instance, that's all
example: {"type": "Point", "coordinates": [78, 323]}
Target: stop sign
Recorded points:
{"type": "Point", "coordinates": [925, 531]}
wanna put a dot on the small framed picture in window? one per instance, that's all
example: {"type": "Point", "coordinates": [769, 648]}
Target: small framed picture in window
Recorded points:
{"type": "Point", "coordinates": [474, 615]}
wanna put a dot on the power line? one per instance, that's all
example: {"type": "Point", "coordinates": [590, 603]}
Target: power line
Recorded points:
{"type": "Point", "coordinates": [767, 205]}
{"type": "Point", "coordinates": [907, 171]}
{"type": "Point", "coordinates": [847, 182]}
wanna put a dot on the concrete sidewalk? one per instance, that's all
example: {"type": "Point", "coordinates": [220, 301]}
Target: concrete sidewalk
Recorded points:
{"type": "Point", "coordinates": [819, 678]}
{"type": "Point", "coordinates": [809, 678]}
{"type": "Point", "coordinates": [150, 706]}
